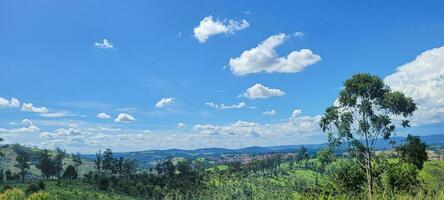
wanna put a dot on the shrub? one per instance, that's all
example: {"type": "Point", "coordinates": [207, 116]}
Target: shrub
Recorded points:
{"type": "Point", "coordinates": [400, 177]}
{"type": "Point", "coordinates": [32, 188]}
{"type": "Point", "coordinates": [103, 183]}
{"type": "Point", "coordinates": [41, 185]}
{"type": "Point", "coordinates": [347, 175]}
{"type": "Point", "coordinates": [13, 194]}
{"type": "Point", "coordinates": [70, 172]}
{"type": "Point", "coordinates": [41, 196]}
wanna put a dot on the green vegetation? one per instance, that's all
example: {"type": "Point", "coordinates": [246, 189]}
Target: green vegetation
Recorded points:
{"type": "Point", "coordinates": [362, 116]}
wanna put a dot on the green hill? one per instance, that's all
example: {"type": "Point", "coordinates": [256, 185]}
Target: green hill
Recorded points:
{"type": "Point", "coordinates": [9, 152]}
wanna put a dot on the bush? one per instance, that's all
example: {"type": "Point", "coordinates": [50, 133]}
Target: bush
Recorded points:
{"type": "Point", "coordinates": [41, 185]}
{"type": "Point", "coordinates": [32, 188]}
{"type": "Point", "coordinates": [41, 196]}
{"type": "Point", "coordinates": [400, 177]}
{"type": "Point", "coordinates": [70, 172]}
{"type": "Point", "coordinates": [103, 183]}
{"type": "Point", "coordinates": [13, 194]}
{"type": "Point", "coordinates": [347, 175]}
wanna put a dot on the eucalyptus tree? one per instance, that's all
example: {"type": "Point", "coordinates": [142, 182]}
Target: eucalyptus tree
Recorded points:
{"type": "Point", "coordinates": [365, 111]}
{"type": "Point", "coordinates": [22, 163]}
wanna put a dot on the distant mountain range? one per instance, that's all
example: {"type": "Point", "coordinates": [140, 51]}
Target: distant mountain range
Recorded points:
{"type": "Point", "coordinates": [149, 156]}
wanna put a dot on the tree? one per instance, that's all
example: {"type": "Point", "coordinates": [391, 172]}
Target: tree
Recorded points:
{"type": "Point", "coordinates": [98, 161]}
{"type": "Point", "coordinates": [2, 175]}
{"type": "Point", "coordinates": [77, 160]}
{"type": "Point", "coordinates": [108, 161]}
{"type": "Point", "coordinates": [325, 156]}
{"type": "Point", "coordinates": [58, 162]}
{"type": "Point", "coordinates": [303, 155]}
{"type": "Point", "coordinates": [362, 115]}
{"type": "Point", "coordinates": [1, 153]}
{"type": "Point", "coordinates": [70, 172]}
{"type": "Point", "coordinates": [45, 164]}
{"type": "Point", "coordinates": [22, 163]}
{"type": "Point", "coordinates": [413, 151]}
{"type": "Point", "coordinates": [9, 176]}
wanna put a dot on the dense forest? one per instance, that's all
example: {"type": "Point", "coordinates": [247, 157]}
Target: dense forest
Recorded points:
{"type": "Point", "coordinates": [363, 114]}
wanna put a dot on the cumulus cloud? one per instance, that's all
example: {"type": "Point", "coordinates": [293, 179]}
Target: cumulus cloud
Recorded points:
{"type": "Point", "coordinates": [103, 115]}
{"type": "Point", "coordinates": [105, 44]}
{"type": "Point", "coordinates": [297, 124]}
{"type": "Point", "coordinates": [225, 107]}
{"type": "Point", "coordinates": [269, 112]}
{"type": "Point", "coordinates": [209, 27]}
{"type": "Point", "coordinates": [29, 107]}
{"type": "Point", "coordinates": [258, 91]}
{"type": "Point", "coordinates": [123, 117]}
{"type": "Point", "coordinates": [423, 80]}
{"type": "Point", "coordinates": [164, 102]}
{"type": "Point", "coordinates": [9, 103]}
{"type": "Point", "coordinates": [264, 58]}
{"type": "Point", "coordinates": [30, 127]}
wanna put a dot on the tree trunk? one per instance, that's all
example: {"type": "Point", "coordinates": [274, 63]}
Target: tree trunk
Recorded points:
{"type": "Point", "coordinates": [369, 176]}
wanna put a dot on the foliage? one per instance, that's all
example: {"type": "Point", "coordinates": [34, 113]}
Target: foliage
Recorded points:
{"type": "Point", "coordinates": [58, 162]}
{"type": "Point", "coordinates": [45, 164]}
{"type": "Point", "coordinates": [22, 163]}
{"type": "Point", "coordinates": [413, 151]}
{"type": "Point", "coordinates": [41, 196]}
{"type": "Point", "coordinates": [70, 172]}
{"type": "Point", "coordinates": [13, 194]}
{"type": "Point", "coordinates": [347, 175]}
{"type": "Point", "coordinates": [32, 188]}
{"type": "Point", "coordinates": [400, 177]}
{"type": "Point", "coordinates": [362, 115]}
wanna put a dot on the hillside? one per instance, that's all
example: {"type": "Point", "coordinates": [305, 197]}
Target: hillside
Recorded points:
{"type": "Point", "coordinates": [149, 157]}
{"type": "Point", "coordinates": [7, 162]}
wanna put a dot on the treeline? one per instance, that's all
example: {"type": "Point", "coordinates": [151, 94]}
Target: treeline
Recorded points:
{"type": "Point", "coordinates": [168, 176]}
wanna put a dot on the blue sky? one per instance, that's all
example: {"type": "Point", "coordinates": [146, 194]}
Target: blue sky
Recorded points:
{"type": "Point", "coordinates": [198, 55]}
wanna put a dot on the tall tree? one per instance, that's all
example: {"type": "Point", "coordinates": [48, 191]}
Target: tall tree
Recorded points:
{"type": "Point", "coordinates": [413, 151]}
{"type": "Point", "coordinates": [58, 162]}
{"type": "Point", "coordinates": [98, 161]}
{"type": "Point", "coordinates": [22, 163]}
{"type": "Point", "coordinates": [108, 161]}
{"type": "Point", "coordinates": [362, 115]}
{"type": "Point", "coordinates": [45, 164]}
{"type": "Point", "coordinates": [303, 155]}
{"type": "Point", "coordinates": [77, 160]}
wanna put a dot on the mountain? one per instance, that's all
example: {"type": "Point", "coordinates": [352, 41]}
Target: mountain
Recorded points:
{"type": "Point", "coordinates": [149, 157]}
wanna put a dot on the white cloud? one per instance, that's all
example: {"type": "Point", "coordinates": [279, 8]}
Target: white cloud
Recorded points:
{"type": "Point", "coordinates": [103, 115]}
{"type": "Point", "coordinates": [208, 27]}
{"type": "Point", "coordinates": [423, 80]}
{"type": "Point", "coordinates": [296, 125]}
{"type": "Point", "coordinates": [298, 34]}
{"type": "Point", "coordinates": [9, 103]}
{"type": "Point", "coordinates": [264, 58]}
{"type": "Point", "coordinates": [258, 91]}
{"type": "Point", "coordinates": [123, 117]}
{"type": "Point", "coordinates": [225, 107]}
{"type": "Point", "coordinates": [164, 102]}
{"type": "Point", "coordinates": [57, 114]}
{"type": "Point", "coordinates": [28, 107]}
{"type": "Point", "coordinates": [181, 125]}
{"type": "Point", "coordinates": [30, 128]}
{"type": "Point", "coordinates": [104, 45]}
{"type": "Point", "coordinates": [27, 122]}
{"type": "Point", "coordinates": [269, 112]}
